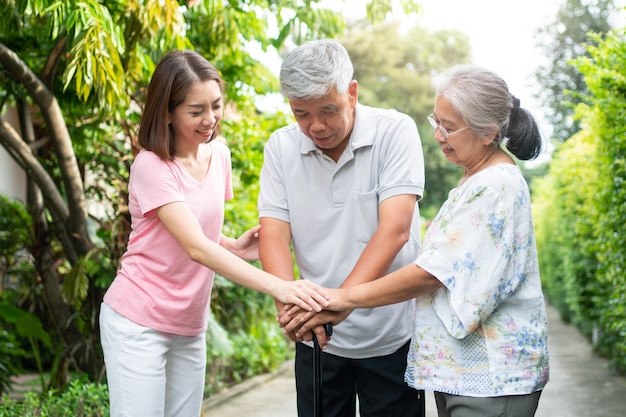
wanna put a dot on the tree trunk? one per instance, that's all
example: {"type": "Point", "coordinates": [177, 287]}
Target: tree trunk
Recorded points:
{"type": "Point", "coordinates": [69, 213]}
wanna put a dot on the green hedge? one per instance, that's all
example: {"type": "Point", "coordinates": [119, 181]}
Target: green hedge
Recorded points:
{"type": "Point", "coordinates": [580, 209]}
{"type": "Point", "coordinates": [80, 399]}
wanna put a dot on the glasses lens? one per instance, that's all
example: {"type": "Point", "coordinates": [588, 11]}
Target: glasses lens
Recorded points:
{"type": "Point", "coordinates": [436, 126]}
{"type": "Point", "coordinates": [432, 121]}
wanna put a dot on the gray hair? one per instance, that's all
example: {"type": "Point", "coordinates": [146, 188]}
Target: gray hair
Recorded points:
{"type": "Point", "coordinates": [312, 69]}
{"type": "Point", "coordinates": [483, 100]}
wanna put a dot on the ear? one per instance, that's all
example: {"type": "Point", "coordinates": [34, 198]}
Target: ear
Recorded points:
{"type": "Point", "coordinates": [353, 92]}
{"type": "Point", "coordinates": [491, 135]}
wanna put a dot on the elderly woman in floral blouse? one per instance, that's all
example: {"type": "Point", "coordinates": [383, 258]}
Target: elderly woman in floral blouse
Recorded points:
{"type": "Point", "coordinates": [480, 338]}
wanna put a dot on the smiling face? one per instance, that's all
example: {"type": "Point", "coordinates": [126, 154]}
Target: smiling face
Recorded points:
{"type": "Point", "coordinates": [327, 120]}
{"type": "Point", "coordinates": [462, 147]}
{"type": "Point", "coordinates": [196, 119]}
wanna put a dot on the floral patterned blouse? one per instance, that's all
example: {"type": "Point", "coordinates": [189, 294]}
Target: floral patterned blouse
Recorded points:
{"type": "Point", "coordinates": [485, 332]}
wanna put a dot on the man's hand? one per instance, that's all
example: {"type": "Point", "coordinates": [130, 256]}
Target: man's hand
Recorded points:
{"type": "Point", "coordinates": [290, 318]}
{"type": "Point", "coordinates": [298, 324]}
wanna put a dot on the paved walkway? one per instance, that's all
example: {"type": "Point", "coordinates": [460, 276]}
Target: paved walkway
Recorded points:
{"type": "Point", "coordinates": [580, 385]}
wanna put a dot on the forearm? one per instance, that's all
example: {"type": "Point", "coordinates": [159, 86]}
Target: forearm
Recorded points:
{"type": "Point", "coordinates": [277, 260]}
{"type": "Point", "coordinates": [275, 250]}
{"type": "Point", "coordinates": [393, 232]}
{"type": "Point", "coordinates": [376, 259]}
{"type": "Point", "coordinates": [404, 284]}
{"type": "Point", "coordinates": [228, 243]}
{"type": "Point", "coordinates": [224, 262]}
{"type": "Point", "coordinates": [184, 227]}
{"type": "Point", "coordinates": [304, 294]}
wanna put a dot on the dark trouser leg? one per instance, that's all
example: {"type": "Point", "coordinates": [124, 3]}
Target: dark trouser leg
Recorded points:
{"type": "Point", "coordinates": [381, 388]}
{"type": "Point", "coordinates": [339, 393]}
{"type": "Point", "coordinates": [449, 405]}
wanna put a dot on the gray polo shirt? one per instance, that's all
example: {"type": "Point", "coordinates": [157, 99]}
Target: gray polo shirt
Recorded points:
{"type": "Point", "coordinates": [332, 209]}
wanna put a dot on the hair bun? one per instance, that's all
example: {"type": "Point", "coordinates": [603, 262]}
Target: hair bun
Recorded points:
{"type": "Point", "coordinates": [514, 110]}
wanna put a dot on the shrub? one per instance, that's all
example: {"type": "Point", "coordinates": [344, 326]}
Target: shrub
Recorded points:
{"type": "Point", "coordinates": [79, 399]}
{"type": "Point", "coordinates": [10, 356]}
{"type": "Point", "coordinates": [579, 208]}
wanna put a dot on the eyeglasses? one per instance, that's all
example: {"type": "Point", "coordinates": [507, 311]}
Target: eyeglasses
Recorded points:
{"type": "Point", "coordinates": [442, 129]}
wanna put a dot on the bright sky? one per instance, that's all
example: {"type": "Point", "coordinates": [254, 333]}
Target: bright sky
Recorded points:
{"type": "Point", "coordinates": [501, 35]}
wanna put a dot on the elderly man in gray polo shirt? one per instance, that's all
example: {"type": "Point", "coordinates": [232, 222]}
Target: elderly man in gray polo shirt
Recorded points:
{"type": "Point", "coordinates": [341, 185]}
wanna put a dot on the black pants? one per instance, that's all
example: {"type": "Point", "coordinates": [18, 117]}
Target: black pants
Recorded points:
{"type": "Point", "coordinates": [378, 382]}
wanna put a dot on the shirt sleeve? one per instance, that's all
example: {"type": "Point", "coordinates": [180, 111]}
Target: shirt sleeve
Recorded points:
{"type": "Point", "coordinates": [153, 183]}
{"type": "Point", "coordinates": [402, 162]}
{"type": "Point", "coordinates": [469, 247]}
{"type": "Point", "coordinates": [272, 200]}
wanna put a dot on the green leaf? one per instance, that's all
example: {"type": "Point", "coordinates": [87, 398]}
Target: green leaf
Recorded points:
{"type": "Point", "coordinates": [27, 325]}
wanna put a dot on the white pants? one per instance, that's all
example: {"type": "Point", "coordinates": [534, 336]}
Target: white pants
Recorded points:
{"type": "Point", "coordinates": [151, 373]}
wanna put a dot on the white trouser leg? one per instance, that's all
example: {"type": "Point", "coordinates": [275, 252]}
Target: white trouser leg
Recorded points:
{"type": "Point", "coordinates": [151, 373]}
{"type": "Point", "coordinates": [186, 369]}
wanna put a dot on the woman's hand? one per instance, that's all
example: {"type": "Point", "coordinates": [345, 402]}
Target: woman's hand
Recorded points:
{"type": "Point", "coordinates": [302, 293]}
{"type": "Point", "coordinates": [337, 300]}
{"type": "Point", "coordinates": [246, 246]}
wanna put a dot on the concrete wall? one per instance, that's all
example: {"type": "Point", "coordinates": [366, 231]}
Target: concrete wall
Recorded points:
{"type": "Point", "coordinates": [12, 177]}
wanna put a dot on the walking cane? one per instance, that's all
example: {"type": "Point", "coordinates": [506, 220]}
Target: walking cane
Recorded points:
{"type": "Point", "coordinates": [317, 372]}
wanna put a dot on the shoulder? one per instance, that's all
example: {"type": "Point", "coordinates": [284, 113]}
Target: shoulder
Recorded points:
{"type": "Point", "coordinates": [505, 176]}
{"type": "Point", "coordinates": [380, 115]}
{"type": "Point", "coordinates": [149, 170]}
{"type": "Point", "coordinates": [147, 160]}
{"type": "Point", "coordinates": [503, 182]}
{"type": "Point", "coordinates": [287, 137]}
{"type": "Point", "coordinates": [286, 132]}
{"type": "Point", "coordinates": [220, 147]}
{"type": "Point", "coordinates": [498, 175]}
{"type": "Point", "coordinates": [376, 126]}
{"type": "Point", "coordinates": [380, 123]}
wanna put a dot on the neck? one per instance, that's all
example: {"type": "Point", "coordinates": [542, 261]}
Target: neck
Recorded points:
{"type": "Point", "coordinates": [190, 152]}
{"type": "Point", "coordinates": [491, 158]}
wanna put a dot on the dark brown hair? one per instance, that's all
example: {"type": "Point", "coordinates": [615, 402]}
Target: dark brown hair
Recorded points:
{"type": "Point", "coordinates": [171, 81]}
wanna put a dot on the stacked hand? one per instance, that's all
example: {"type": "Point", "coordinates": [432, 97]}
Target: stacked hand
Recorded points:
{"type": "Point", "coordinates": [299, 324]}
{"type": "Point", "coordinates": [303, 295]}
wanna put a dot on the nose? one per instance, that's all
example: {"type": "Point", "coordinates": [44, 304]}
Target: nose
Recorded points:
{"type": "Point", "coordinates": [317, 124]}
{"type": "Point", "coordinates": [210, 118]}
{"type": "Point", "coordinates": [438, 134]}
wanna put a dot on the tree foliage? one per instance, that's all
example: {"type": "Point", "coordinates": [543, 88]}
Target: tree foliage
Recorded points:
{"type": "Point", "coordinates": [579, 206]}
{"type": "Point", "coordinates": [563, 40]}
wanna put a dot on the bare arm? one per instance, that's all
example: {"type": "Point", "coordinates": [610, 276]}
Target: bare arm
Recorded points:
{"type": "Point", "coordinates": [406, 283]}
{"type": "Point", "coordinates": [179, 220]}
{"type": "Point", "coordinates": [275, 248]}
{"type": "Point", "coordinates": [275, 253]}
{"type": "Point", "coordinates": [394, 225]}
{"type": "Point", "coordinates": [246, 246]}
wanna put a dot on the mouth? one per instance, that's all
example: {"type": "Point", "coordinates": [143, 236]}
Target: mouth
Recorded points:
{"type": "Point", "coordinates": [205, 133]}
{"type": "Point", "coordinates": [320, 140]}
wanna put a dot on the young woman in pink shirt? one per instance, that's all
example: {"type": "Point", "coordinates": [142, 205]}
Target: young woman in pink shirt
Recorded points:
{"type": "Point", "coordinates": [154, 315]}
